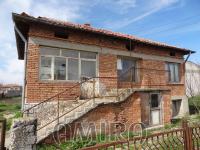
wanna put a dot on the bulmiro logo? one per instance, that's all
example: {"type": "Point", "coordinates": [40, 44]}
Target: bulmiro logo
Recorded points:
{"type": "Point", "coordinates": [100, 132]}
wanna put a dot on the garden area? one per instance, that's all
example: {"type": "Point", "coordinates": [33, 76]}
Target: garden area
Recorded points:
{"type": "Point", "coordinates": [10, 108]}
{"type": "Point", "coordinates": [193, 119]}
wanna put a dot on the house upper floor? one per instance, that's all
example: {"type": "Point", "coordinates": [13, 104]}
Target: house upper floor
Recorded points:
{"type": "Point", "coordinates": [60, 53]}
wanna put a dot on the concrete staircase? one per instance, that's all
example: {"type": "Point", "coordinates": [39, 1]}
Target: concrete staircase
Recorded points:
{"type": "Point", "coordinates": [76, 109]}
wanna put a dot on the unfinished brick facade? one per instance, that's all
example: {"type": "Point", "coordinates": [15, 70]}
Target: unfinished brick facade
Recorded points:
{"type": "Point", "coordinates": [38, 90]}
{"type": "Point", "coordinates": [152, 76]}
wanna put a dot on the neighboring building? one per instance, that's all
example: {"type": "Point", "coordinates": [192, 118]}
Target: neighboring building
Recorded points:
{"type": "Point", "coordinates": [10, 90]}
{"type": "Point", "coordinates": [133, 79]}
{"type": "Point", "coordinates": [192, 79]}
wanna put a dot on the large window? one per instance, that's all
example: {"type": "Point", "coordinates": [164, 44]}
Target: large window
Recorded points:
{"type": "Point", "coordinates": [62, 64]}
{"type": "Point", "coordinates": [173, 72]}
{"type": "Point", "coordinates": [126, 68]}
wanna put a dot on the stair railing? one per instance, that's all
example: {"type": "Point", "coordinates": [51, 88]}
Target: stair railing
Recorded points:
{"type": "Point", "coordinates": [50, 109]}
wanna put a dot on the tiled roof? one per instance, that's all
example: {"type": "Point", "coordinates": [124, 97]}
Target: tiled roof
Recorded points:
{"type": "Point", "coordinates": [89, 28]}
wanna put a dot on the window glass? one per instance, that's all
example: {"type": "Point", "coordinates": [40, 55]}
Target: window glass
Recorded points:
{"type": "Point", "coordinates": [119, 64]}
{"type": "Point", "coordinates": [88, 68]}
{"type": "Point", "coordinates": [45, 69]}
{"type": "Point", "coordinates": [59, 68]}
{"type": "Point", "coordinates": [154, 101]}
{"type": "Point", "coordinates": [173, 69]}
{"type": "Point", "coordinates": [73, 69]}
{"type": "Point", "coordinates": [88, 55]}
{"type": "Point", "coordinates": [127, 70]}
{"type": "Point", "coordinates": [70, 53]}
{"type": "Point", "coordinates": [50, 51]}
{"type": "Point", "coordinates": [171, 72]}
{"type": "Point", "coordinates": [176, 72]}
{"type": "Point", "coordinates": [176, 104]}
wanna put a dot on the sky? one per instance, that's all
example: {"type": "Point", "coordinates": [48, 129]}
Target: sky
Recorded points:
{"type": "Point", "coordinates": [175, 22]}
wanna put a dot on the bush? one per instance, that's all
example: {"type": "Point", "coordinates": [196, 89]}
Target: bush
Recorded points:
{"type": "Point", "coordinates": [194, 104]}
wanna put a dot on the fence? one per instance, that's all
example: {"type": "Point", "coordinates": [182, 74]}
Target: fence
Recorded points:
{"type": "Point", "coordinates": [185, 138]}
{"type": "Point", "coordinates": [2, 133]}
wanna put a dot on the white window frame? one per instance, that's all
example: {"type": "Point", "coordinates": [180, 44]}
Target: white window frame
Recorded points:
{"type": "Point", "coordinates": [79, 64]}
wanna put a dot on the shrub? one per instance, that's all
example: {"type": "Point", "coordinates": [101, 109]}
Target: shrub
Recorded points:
{"type": "Point", "coordinates": [194, 104]}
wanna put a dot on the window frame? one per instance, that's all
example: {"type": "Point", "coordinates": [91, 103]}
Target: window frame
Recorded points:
{"type": "Point", "coordinates": [66, 58]}
{"type": "Point", "coordinates": [175, 102]}
{"type": "Point", "coordinates": [52, 67]}
{"type": "Point", "coordinates": [136, 75]}
{"type": "Point", "coordinates": [174, 74]}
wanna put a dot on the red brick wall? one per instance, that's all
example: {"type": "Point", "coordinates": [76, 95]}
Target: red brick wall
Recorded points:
{"type": "Point", "coordinates": [40, 90]}
{"type": "Point", "coordinates": [127, 113]}
{"type": "Point", "coordinates": [37, 90]}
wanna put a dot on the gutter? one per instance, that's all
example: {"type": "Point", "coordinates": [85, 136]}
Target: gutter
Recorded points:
{"type": "Point", "coordinates": [187, 57]}
{"type": "Point", "coordinates": [25, 63]}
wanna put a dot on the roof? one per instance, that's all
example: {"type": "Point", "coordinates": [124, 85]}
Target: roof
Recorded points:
{"type": "Point", "coordinates": [23, 20]}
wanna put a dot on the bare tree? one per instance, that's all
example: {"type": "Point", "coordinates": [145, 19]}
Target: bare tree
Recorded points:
{"type": "Point", "coordinates": [193, 83]}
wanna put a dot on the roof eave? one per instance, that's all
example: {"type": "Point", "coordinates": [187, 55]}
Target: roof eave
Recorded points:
{"type": "Point", "coordinates": [30, 19]}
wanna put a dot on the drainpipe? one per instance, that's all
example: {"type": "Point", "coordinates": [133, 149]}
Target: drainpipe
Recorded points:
{"type": "Point", "coordinates": [25, 63]}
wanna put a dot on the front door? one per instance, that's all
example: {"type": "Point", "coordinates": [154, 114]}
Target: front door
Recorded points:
{"type": "Point", "coordinates": [155, 109]}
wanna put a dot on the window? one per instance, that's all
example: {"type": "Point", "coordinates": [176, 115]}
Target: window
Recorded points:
{"type": "Point", "coordinates": [176, 104]}
{"type": "Point", "coordinates": [155, 101]}
{"type": "Point", "coordinates": [46, 67]}
{"type": "Point", "coordinates": [88, 68]}
{"type": "Point", "coordinates": [126, 69]}
{"type": "Point", "coordinates": [59, 68]}
{"type": "Point", "coordinates": [173, 73]}
{"type": "Point", "coordinates": [61, 64]}
{"type": "Point", "coordinates": [73, 69]}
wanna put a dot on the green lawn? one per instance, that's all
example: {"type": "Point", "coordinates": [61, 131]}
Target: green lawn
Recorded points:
{"type": "Point", "coordinates": [9, 109]}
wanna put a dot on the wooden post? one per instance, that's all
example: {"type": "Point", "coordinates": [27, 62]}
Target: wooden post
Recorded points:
{"type": "Point", "coordinates": [93, 90]}
{"type": "Point", "coordinates": [58, 109]}
{"type": "Point", "coordinates": [187, 136]}
{"type": "Point", "coordinates": [3, 133]}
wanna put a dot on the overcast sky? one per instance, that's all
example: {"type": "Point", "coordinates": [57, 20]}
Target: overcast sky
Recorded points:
{"type": "Point", "coordinates": [176, 22]}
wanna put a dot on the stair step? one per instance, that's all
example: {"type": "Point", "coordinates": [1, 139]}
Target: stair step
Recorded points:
{"type": "Point", "coordinates": [86, 106]}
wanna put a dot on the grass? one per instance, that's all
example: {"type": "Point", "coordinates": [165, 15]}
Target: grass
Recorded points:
{"type": "Point", "coordinates": [10, 108]}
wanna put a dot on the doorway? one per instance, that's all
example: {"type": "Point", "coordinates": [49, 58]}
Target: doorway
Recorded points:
{"type": "Point", "coordinates": [155, 109]}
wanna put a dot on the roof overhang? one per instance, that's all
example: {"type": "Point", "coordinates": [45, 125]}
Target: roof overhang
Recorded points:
{"type": "Point", "coordinates": [23, 22]}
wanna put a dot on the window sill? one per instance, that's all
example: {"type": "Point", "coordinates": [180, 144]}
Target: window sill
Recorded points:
{"type": "Point", "coordinates": [174, 83]}
{"type": "Point", "coordinates": [59, 81]}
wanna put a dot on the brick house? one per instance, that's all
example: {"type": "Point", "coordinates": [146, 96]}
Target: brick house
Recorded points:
{"type": "Point", "coordinates": [10, 90]}
{"type": "Point", "coordinates": [75, 73]}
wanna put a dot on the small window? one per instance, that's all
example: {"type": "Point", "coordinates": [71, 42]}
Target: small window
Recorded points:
{"type": "Point", "coordinates": [60, 68]}
{"type": "Point", "coordinates": [46, 68]}
{"type": "Point", "coordinates": [155, 101]}
{"type": "Point", "coordinates": [176, 104]}
{"type": "Point", "coordinates": [61, 34]}
{"type": "Point", "coordinates": [173, 72]}
{"type": "Point", "coordinates": [172, 54]}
